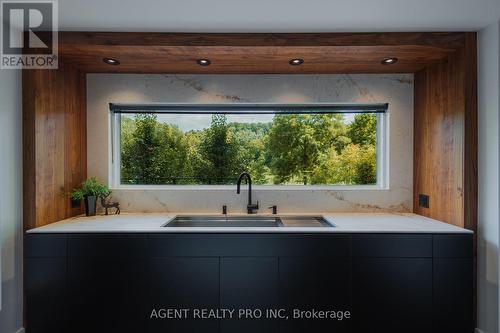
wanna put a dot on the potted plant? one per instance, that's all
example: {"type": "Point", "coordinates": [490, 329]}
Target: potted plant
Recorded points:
{"type": "Point", "coordinates": [90, 191]}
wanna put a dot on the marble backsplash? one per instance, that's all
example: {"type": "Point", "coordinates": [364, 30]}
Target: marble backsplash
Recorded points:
{"type": "Point", "coordinates": [397, 90]}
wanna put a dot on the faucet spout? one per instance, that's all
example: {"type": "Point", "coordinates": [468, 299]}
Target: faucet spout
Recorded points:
{"type": "Point", "coordinates": [251, 208]}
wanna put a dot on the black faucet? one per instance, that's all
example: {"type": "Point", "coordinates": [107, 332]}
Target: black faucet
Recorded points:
{"type": "Point", "coordinates": [251, 208]}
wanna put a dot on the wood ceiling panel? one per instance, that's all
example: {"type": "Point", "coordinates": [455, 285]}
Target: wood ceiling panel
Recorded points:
{"type": "Point", "coordinates": [255, 53]}
{"type": "Point", "coordinates": [449, 40]}
{"type": "Point", "coordinates": [338, 59]}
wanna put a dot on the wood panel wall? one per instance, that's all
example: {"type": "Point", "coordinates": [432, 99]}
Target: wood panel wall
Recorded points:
{"type": "Point", "coordinates": [55, 142]}
{"type": "Point", "coordinates": [445, 137]}
{"type": "Point", "coordinates": [445, 141]}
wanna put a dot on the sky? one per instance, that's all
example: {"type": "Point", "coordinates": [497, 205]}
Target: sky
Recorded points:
{"type": "Point", "coordinates": [192, 122]}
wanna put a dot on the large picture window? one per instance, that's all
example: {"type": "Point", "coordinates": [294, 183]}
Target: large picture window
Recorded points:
{"type": "Point", "coordinates": [306, 145]}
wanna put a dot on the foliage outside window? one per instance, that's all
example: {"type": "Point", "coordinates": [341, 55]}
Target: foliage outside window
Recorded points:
{"type": "Point", "coordinates": [279, 149]}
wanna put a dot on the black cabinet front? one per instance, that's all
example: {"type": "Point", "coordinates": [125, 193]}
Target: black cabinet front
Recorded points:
{"type": "Point", "coordinates": [106, 276]}
{"type": "Point", "coordinates": [393, 295]}
{"type": "Point", "coordinates": [315, 284]}
{"type": "Point", "coordinates": [358, 283]}
{"type": "Point", "coordinates": [182, 283]}
{"type": "Point", "coordinates": [249, 285]}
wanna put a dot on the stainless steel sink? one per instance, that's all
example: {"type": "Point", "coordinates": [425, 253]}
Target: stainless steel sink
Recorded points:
{"type": "Point", "coordinates": [221, 221]}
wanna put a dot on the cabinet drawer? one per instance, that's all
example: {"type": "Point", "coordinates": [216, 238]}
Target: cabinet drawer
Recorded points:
{"type": "Point", "coordinates": [392, 245]}
{"type": "Point", "coordinates": [247, 245]}
{"type": "Point", "coordinates": [452, 246]}
{"type": "Point", "coordinates": [107, 245]}
{"type": "Point", "coordinates": [315, 245]}
{"type": "Point", "coordinates": [45, 245]}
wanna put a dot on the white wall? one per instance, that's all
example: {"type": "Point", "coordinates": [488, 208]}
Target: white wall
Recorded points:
{"type": "Point", "coordinates": [397, 90]}
{"type": "Point", "coordinates": [488, 171]}
{"type": "Point", "coordinates": [11, 313]}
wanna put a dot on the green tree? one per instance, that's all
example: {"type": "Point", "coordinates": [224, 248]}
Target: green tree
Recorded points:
{"type": "Point", "coordinates": [297, 142]}
{"type": "Point", "coordinates": [367, 167]}
{"type": "Point", "coordinates": [151, 153]}
{"type": "Point", "coordinates": [252, 154]}
{"type": "Point", "coordinates": [195, 162]}
{"type": "Point", "coordinates": [363, 130]}
{"type": "Point", "coordinates": [219, 153]}
{"type": "Point", "coordinates": [299, 148]}
{"type": "Point", "coordinates": [139, 153]}
{"type": "Point", "coordinates": [356, 165]}
{"type": "Point", "coordinates": [173, 155]}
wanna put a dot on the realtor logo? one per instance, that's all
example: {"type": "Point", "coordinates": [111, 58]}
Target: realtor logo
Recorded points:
{"type": "Point", "coordinates": [29, 34]}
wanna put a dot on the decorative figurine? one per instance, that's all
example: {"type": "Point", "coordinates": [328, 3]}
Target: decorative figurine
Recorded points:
{"type": "Point", "coordinates": [106, 204]}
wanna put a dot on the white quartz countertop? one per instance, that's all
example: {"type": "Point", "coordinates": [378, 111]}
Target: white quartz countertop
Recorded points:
{"type": "Point", "coordinates": [342, 222]}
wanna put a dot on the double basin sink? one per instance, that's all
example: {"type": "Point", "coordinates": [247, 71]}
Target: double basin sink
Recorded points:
{"type": "Point", "coordinates": [225, 221]}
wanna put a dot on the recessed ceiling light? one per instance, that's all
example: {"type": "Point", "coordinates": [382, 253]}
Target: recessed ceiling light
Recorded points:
{"type": "Point", "coordinates": [296, 62]}
{"type": "Point", "coordinates": [389, 61]}
{"type": "Point", "coordinates": [110, 61]}
{"type": "Point", "coordinates": [203, 62]}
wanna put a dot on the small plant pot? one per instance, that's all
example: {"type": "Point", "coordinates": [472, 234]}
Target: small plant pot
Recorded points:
{"type": "Point", "coordinates": [90, 205]}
